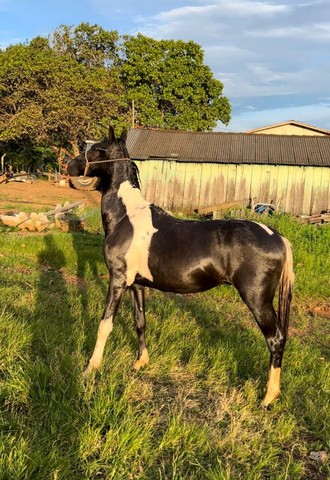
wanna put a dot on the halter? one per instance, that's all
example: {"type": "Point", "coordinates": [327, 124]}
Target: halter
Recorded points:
{"type": "Point", "coordinates": [87, 164]}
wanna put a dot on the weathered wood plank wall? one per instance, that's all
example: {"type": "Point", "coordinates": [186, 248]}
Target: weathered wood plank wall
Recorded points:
{"type": "Point", "coordinates": [183, 187]}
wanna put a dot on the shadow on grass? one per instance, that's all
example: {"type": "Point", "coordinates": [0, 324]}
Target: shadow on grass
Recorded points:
{"type": "Point", "coordinates": [88, 252]}
{"type": "Point", "coordinates": [55, 404]}
{"type": "Point", "coordinates": [47, 416]}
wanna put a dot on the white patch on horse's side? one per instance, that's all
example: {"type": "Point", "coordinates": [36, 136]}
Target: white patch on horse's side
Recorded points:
{"type": "Point", "coordinates": [268, 230]}
{"type": "Point", "coordinates": [139, 214]}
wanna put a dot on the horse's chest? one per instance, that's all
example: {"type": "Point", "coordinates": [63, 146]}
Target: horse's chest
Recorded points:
{"type": "Point", "coordinates": [139, 215]}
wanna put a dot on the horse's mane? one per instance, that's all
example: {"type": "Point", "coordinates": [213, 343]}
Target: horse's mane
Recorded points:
{"type": "Point", "coordinates": [135, 175]}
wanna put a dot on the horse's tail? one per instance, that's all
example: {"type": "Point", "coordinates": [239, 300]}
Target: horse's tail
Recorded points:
{"type": "Point", "coordinates": [285, 288]}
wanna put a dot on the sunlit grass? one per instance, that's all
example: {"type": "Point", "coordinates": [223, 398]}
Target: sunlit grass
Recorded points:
{"type": "Point", "coordinates": [193, 412]}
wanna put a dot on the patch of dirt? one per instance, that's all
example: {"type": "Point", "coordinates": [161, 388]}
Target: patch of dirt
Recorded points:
{"type": "Point", "coordinates": [42, 195]}
{"type": "Point", "coordinates": [322, 310]}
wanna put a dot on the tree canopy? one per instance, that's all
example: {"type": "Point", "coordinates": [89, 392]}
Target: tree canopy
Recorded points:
{"type": "Point", "coordinates": [49, 95]}
{"type": "Point", "coordinates": [58, 91]}
{"type": "Point", "coordinates": [171, 86]}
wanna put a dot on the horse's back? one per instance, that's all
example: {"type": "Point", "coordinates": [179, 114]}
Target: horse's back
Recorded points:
{"type": "Point", "coordinates": [201, 235]}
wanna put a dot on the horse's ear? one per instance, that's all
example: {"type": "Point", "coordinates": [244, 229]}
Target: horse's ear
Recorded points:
{"type": "Point", "coordinates": [123, 135]}
{"type": "Point", "coordinates": [112, 136]}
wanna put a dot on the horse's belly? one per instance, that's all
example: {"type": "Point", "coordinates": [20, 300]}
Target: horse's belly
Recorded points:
{"type": "Point", "coordinates": [186, 280]}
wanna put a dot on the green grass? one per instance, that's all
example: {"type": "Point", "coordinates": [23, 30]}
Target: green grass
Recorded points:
{"type": "Point", "coordinates": [193, 412]}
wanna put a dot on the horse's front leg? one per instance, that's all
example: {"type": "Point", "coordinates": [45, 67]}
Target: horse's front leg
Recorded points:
{"type": "Point", "coordinates": [114, 296]}
{"type": "Point", "coordinates": [137, 296]}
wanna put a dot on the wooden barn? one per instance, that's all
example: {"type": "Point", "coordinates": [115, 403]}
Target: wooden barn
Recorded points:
{"type": "Point", "coordinates": [185, 171]}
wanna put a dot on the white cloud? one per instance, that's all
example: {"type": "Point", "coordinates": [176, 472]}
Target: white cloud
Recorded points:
{"type": "Point", "coordinates": [318, 31]}
{"type": "Point", "coordinates": [238, 8]}
{"type": "Point", "coordinates": [248, 8]}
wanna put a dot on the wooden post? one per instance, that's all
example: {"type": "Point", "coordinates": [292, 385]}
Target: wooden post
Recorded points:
{"type": "Point", "coordinates": [133, 114]}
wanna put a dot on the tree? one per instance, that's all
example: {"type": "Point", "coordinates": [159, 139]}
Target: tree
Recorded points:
{"type": "Point", "coordinates": [89, 45]}
{"type": "Point", "coordinates": [171, 86]}
{"type": "Point", "coordinates": [20, 109]}
{"type": "Point", "coordinates": [57, 91]}
{"type": "Point", "coordinates": [48, 95]}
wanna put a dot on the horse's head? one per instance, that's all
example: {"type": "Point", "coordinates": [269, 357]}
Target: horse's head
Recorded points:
{"type": "Point", "coordinates": [95, 161]}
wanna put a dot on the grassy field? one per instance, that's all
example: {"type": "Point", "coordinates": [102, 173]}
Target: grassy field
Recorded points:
{"type": "Point", "coordinates": [193, 412]}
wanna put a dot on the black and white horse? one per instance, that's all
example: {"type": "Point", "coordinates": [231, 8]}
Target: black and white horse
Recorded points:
{"type": "Point", "coordinates": [146, 247]}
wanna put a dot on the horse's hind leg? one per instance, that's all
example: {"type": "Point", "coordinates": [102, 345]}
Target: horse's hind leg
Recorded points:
{"type": "Point", "coordinates": [275, 339]}
{"type": "Point", "coordinates": [261, 305]}
{"type": "Point", "coordinates": [137, 296]}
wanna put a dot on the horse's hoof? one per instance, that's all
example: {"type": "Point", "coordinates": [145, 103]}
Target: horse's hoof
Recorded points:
{"type": "Point", "coordinates": [137, 365]}
{"type": "Point", "coordinates": [89, 370]}
{"type": "Point", "coordinates": [86, 373]}
{"type": "Point", "coordinates": [143, 360]}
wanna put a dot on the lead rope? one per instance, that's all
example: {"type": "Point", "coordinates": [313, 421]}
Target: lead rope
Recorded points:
{"type": "Point", "coordinates": [86, 164]}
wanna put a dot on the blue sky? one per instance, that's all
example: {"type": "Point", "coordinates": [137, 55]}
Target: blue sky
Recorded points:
{"type": "Point", "coordinates": [272, 56]}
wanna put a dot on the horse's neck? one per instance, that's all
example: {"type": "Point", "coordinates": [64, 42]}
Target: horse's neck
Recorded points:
{"type": "Point", "coordinates": [120, 201]}
{"type": "Point", "coordinates": [113, 210]}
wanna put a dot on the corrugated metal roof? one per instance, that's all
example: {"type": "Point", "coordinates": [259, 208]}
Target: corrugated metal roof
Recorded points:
{"type": "Point", "coordinates": [219, 147]}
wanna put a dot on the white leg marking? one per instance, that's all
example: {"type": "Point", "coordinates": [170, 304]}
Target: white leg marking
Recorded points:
{"type": "Point", "coordinates": [103, 332]}
{"type": "Point", "coordinates": [268, 230]}
{"type": "Point", "coordinates": [139, 214]}
{"type": "Point", "coordinates": [273, 386]}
